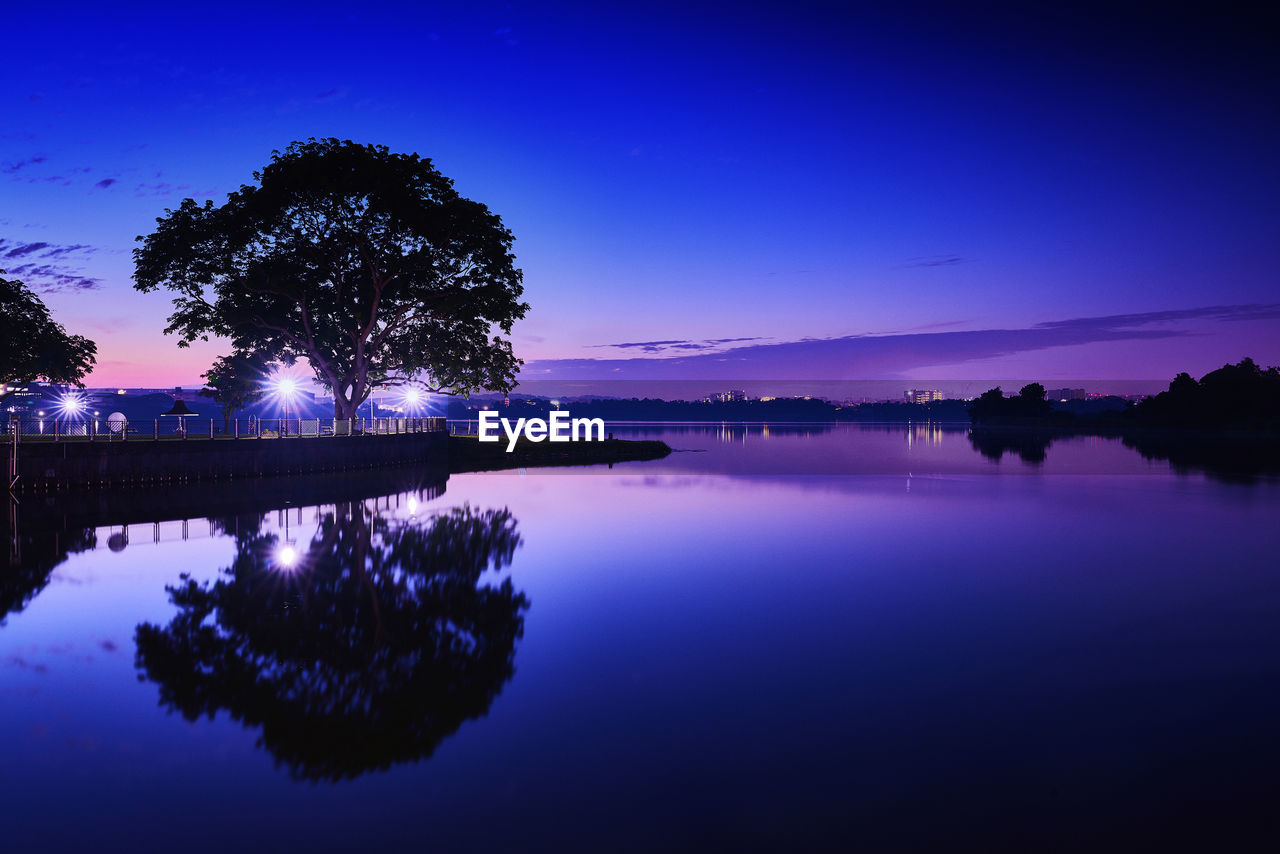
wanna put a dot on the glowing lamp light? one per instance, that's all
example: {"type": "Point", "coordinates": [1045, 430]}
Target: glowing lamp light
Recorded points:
{"type": "Point", "coordinates": [286, 386]}
{"type": "Point", "coordinates": [70, 405]}
{"type": "Point", "coordinates": [287, 556]}
{"type": "Point", "coordinates": [412, 396]}
{"type": "Point", "coordinates": [413, 506]}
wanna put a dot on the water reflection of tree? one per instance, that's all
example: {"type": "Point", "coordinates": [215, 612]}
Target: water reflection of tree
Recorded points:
{"type": "Point", "coordinates": [1031, 445]}
{"type": "Point", "coordinates": [32, 560]}
{"type": "Point", "coordinates": [377, 644]}
{"type": "Point", "coordinates": [1231, 458]}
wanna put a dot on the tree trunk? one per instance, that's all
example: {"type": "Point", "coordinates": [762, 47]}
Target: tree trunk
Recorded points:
{"type": "Point", "coordinates": [344, 410]}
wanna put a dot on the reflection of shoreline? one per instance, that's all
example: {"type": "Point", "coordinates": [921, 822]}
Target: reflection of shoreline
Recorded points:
{"type": "Point", "coordinates": [40, 533]}
{"type": "Point", "coordinates": [130, 506]}
{"type": "Point", "coordinates": [1229, 455]}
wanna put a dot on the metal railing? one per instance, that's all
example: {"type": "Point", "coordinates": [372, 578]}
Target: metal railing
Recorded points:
{"type": "Point", "coordinates": [183, 428]}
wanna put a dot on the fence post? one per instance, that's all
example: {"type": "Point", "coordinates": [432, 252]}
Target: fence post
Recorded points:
{"type": "Point", "coordinates": [210, 426]}
{"type": "Point", "coordinates": [237, 428]}
{"type": "Point", "coordinates": [155, 429]}
{"type": "Point", "coordinates": [93, 429]}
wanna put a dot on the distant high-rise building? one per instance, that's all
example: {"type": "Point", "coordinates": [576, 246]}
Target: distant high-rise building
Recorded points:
{"type": "Point", "coordinates": [1065, 394]}
{"type": "Point", "coordinates": [733, 395]}
{"type": "Point", "coordinates": [924, 395]}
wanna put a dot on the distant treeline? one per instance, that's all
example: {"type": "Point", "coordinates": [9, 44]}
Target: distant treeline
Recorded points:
{"type": "Point", "coordinates": [1243, 396]}
{"type": "Point", "coordinates": [778, 410]}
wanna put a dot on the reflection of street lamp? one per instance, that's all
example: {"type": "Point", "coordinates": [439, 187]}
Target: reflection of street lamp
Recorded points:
{"type": "Point", "coordinates": [286, 551]}
{"type": "Point", "coordinates": [287, 555]}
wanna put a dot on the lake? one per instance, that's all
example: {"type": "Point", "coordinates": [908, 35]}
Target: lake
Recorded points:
{"type": "Point", "coordinates": [782, 637]}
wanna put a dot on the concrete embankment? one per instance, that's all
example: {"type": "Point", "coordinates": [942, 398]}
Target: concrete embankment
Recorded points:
{"type": "Point", "coordinates": [47, 466]}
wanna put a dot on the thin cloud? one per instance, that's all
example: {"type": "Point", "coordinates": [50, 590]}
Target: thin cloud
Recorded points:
{"type": "Point", "coordinates": [106, 183]}
{"type": "Point", "coordinates": [646, 346]}
{"type": "Point", "coordinates": [42, 265]}
{"type": "Point", "coordinates": [936, 261]}
{"type": "Point", "coordinates": [10, 168]}
{"type": "Point", "coordinates": [897, 353]}
{"type": "Point", "coordinates": [1250, 311]}
{"type": "Point", "coordinates": [159, 188]}
{"type": "Point", "coordinates": [676, 344]}
{"type": "Point", "coordinates": [24, 249]}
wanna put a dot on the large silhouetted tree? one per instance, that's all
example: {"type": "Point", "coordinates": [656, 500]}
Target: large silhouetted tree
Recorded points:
{"type": "Point", "coordinates": [367, 264]}
{"type": "Point", "coordinates": [32, 346]}
{"type": "Point", "coordinates": [375, 644]}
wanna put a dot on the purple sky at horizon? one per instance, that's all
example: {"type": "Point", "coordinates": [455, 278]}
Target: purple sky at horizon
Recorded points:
{"type": "Point", "coordinates": [812, 191]}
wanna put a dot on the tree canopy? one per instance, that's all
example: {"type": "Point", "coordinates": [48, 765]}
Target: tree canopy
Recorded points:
{"type": "Point", "coordinates": [367, 264]}
{"type": "Point", "coordinates": [32, 346]}
{"type": "Point", "coordinates": [1240, 396]}
{"type": "Point", "coordinates": [992, 407]}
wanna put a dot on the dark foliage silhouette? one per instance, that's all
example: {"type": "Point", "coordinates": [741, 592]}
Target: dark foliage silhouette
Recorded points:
{"type": "Point", "coordinates": [34, 558]}
{"type": "Point", "coordinates": [32, 346]}
{"type": "Point", "coordinates": [992, 407]}
{"type": "Point", "coordinates": [1240, 396]}
{"type": "Point", "coordinates": [367, 264]}
{"type": "Point", "coordinates": [378, 642]}
{"type": "Point", "coordinates": [236, 382]}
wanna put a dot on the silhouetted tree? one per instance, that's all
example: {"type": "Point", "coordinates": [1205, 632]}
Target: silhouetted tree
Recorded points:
{"type": "Point", "coordinates": [1241, 396]}
{"type": "Point", "coordinates": [1028, 407]}
{"type": "Point", "coordinates": [32, 346]}
{"type": "Point", "coordinates": [378, 643]}
{"type": "Point", "coordinates": [367, 264]}
{"type": "Point", "coordinates": [235, 382]}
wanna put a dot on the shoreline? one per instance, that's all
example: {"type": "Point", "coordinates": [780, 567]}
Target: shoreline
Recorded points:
{"type": "Point", "coordinates": [467, 454]}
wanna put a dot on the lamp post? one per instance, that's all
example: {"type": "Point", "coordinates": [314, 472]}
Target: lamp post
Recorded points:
{"type": "Point", "coordinates": [285, 388]}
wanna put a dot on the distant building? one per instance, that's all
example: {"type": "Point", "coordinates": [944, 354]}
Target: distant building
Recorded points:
{"type": "Point", "coordinates": [924, 395]}
{"type": "Point", "coordinates": [1065, 394]}
{"type": "Point", "coordinates": [733, 395]}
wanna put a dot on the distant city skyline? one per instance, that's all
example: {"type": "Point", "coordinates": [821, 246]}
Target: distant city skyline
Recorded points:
{"type": "Point", "coordinates": [768, 192]}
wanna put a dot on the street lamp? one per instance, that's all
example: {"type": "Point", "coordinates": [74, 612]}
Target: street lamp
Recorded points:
{"type": "Point", "coordinates": [285, 388]}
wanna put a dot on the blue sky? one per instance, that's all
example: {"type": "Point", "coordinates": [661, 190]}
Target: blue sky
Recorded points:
{"type": "Point", "coordinates": [960, 180]}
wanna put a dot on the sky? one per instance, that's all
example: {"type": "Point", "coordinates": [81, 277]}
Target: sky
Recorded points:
{"type": "Point", "coordinates": [795, 191]}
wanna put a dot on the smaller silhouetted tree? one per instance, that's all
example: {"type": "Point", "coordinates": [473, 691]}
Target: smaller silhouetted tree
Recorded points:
{"type": "Point", "coordinates": [32, 346]}
{"type": "Point", "coordinates": [235, 382]}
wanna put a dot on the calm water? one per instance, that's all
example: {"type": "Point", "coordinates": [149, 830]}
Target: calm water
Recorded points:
{"type": "Point", "coordinates": [793, 638]}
